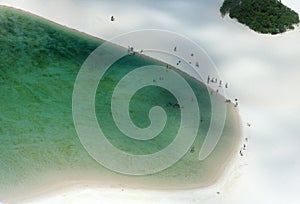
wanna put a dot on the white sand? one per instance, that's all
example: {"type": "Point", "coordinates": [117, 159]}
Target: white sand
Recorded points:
{"type": "Point", "coordinates": [92, 193]}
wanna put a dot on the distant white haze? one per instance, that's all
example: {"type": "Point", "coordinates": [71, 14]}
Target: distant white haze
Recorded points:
{"type": "Point", "coordinates": [263, 72]}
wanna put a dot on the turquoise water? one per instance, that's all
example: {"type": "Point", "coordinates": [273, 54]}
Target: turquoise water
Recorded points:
{"type": "Point", "coordinates": [39, 63]}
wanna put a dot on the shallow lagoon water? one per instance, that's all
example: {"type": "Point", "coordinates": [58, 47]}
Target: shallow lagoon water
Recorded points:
{"type": "Point", "coordinates": [39, 144]}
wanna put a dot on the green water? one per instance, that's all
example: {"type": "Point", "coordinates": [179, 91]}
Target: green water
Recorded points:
{"type": "Point", "coordinates": [39, 63]}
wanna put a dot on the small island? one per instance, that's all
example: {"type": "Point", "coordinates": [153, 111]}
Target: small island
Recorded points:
{"type": "Point", "coordinates": [267, 16]}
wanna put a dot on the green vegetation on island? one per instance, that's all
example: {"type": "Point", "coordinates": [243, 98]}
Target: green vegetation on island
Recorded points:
{"type": "Point", "coordinates": [267, 16]}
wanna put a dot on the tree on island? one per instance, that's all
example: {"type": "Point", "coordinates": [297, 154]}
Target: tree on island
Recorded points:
{"type": "Point", "coordinates": [263, 16]}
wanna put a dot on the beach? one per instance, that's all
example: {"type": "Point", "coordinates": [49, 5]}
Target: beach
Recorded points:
{"type": "Point", "coordinates": [253, 65]}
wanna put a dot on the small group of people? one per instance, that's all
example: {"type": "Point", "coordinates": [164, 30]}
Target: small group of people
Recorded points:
{"type": "Point", "coordinates": [192, 55]}
{"type": "Point", "coordinates": [244, 147]}
{"type": "Point", "coordinates": [215, 80]}
{"type": "Point", "coordinates": [175, 105]}
{"type": "Point", "coordinates": [130, 50]}
{"type": "Point", "coordinates": [161, 78]}
{"type": "Point", "coordinates": [178, 62]}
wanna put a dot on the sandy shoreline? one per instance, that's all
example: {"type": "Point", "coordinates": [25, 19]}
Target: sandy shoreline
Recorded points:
{"type": "Point", "coordinates": [93, 192]}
